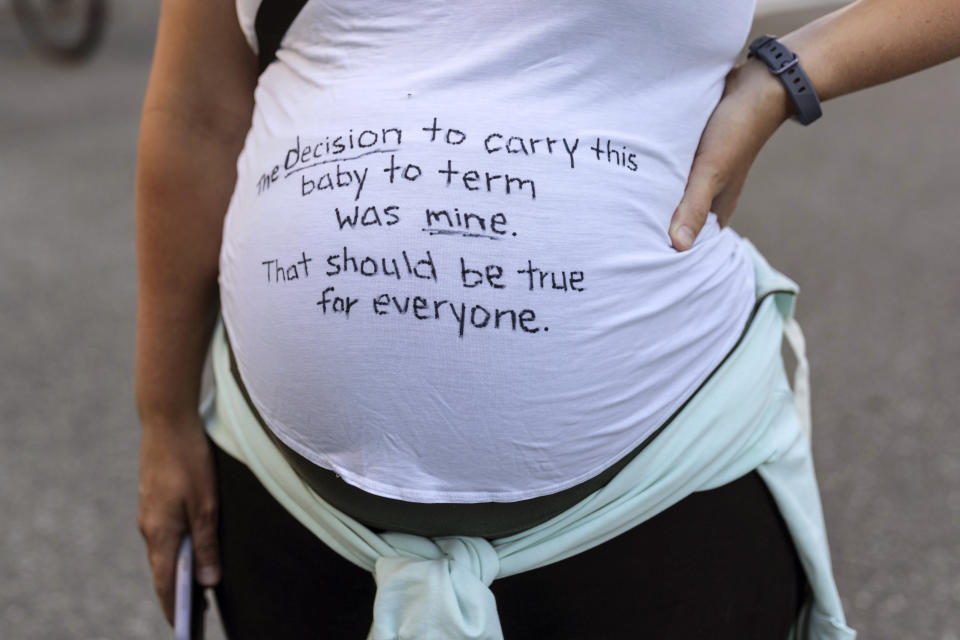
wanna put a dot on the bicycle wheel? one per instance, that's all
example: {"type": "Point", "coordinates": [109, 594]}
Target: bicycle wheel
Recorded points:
{"type": "Point", "coordinates": [63, 29]}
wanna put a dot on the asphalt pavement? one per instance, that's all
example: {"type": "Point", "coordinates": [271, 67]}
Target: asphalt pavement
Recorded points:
{"type": "Point", "coordinates": [860, 209]}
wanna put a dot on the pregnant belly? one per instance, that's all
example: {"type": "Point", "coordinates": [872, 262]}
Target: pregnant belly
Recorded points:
{"type": "Point", "coordinates": [463, 315]}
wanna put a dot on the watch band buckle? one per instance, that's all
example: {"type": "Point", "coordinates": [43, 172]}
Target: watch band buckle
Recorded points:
{"type": "Point", "coordinates": [789, 65]}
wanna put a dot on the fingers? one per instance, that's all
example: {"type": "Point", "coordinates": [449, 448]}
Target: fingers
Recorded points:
{"type": "Point", "coordinates": [703, 185]}
{"type": "Point", "coordinates": [202, 514]}
{"type": "Point", "coordinates": [725, 202]}
{"type": "Point", "coordinates": [162, 543]}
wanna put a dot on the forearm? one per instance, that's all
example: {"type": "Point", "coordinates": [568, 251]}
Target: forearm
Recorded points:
{"type": "Point", "coordinates": [196, 113]}
{"type": "Point", "coordinates": [184, 180]}
{"type": "Point", "coordinates": [870, 42]}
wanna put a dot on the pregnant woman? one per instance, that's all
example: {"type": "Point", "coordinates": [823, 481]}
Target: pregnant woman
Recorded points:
{"type": "Point", "coordinates": [491, 362]}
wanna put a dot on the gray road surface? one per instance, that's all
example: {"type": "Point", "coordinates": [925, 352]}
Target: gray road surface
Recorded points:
{"type": "Point", "coordinates": [860, 209]}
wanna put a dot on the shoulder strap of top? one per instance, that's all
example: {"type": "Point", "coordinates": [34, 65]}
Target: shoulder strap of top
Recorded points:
{"type": "Point", "coordinates": [273, 19]}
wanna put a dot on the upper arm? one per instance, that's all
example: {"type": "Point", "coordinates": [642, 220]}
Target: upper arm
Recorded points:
{"type": "Point", "coordinates": [204, 72]}
{"type": "Point", "coordinates": [196, 114]}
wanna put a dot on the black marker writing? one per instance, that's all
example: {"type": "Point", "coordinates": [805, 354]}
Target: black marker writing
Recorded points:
{"type": "Point", "coordinates": [326, 182]}
{"type": "Point", "coordinates": [291, 272]}
{"type": "Point", "coordinates": [491, 182]}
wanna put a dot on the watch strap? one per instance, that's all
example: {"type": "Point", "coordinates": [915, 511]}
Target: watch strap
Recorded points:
{"type": "Point", "coordinates": [785, 64]}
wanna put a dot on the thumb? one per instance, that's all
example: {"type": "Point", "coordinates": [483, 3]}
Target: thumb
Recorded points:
{"type": "Point", "coordinates": [206, 551]}
{"type": "Point", "coordinates": [691, 214]}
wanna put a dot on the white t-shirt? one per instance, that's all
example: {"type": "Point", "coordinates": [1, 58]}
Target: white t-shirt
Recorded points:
{"type": "Point", "coordinates": [445, 269]}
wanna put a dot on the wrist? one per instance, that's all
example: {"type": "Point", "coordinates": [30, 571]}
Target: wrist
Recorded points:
{"type": "Point", "coordinates": [784, 64]}
{"type": "Point", "coordinates": [763, 94]}
{"type": "Point", "coordinates": [170, 420]}
{"type": "Point", "coordinates": [166, 398]}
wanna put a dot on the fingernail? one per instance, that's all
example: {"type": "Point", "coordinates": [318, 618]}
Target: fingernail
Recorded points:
{"type": "Point", "coordinates": [685, 237]}
{"type": "Point", "coordinates": [208, 576]}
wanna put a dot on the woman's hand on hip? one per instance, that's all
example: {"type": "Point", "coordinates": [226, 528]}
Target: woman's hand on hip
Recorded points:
{"type": "Point", "coordinates": [754, 104]}
{"type": "Point", "coordinates": [177, 495]}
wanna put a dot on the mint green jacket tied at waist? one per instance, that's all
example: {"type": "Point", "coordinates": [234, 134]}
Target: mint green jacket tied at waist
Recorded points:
{"type": "Point", "coordinates": [744, 417]}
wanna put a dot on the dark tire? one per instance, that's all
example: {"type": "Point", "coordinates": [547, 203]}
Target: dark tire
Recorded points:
{"type": "Point", "coordinates": [67, 30]}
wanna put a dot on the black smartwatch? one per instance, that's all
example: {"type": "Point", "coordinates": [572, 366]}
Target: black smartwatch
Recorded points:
{"type": "Point", "coordinates": [784, 64]}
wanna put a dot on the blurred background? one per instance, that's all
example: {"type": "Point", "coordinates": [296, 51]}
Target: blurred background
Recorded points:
{"type": "Point", "coordinates": [861, 210]}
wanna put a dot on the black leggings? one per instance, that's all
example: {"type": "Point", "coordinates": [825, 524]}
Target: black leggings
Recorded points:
{"type": "Point", "coordinates": [719, 564]}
